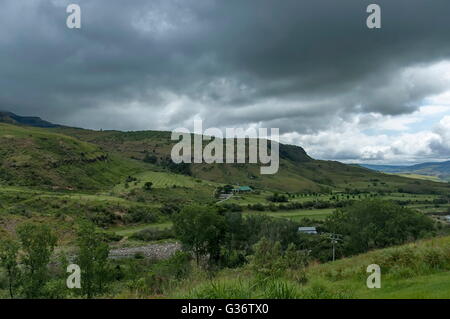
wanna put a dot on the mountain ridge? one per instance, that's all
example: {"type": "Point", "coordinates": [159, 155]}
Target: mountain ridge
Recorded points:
{"type": "Point", "coordinates": [35, 121]}
{"type": "Point", "coordinates": [30, 152]}
{"type": "Point", "coordinates": [436, 169]}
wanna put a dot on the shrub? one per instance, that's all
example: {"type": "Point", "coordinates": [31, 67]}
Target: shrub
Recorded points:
{"type": "Point", "coordinates": [280, 289]}
{"type": "Point", "coordinates": [111, 237]}
{"type": "Point", "coordinates": [266, 262]}
{"type": "Point", "coordinates": [140, 215]}
{"type": "Point", "coordinates": [169, 209]}
{"type": "Point", "coordinates": [374, 224]}
{"type": "Point", "coordinates": [151, 234]}
{"type": "Point", "coordinates": [167, 272]}
{"type": "Point", "coordinates": [319, 290]}
{"type": "Point", "coordinates": [277, 198]}
{"type": "Point", "coordinates": [222, 290]}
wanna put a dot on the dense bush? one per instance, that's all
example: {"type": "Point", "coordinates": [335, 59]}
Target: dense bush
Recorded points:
{"type": "Point", "coordinates": [150, 158]}
{"type": "Point", "coordinates": [201, 230]}
{"type": "Point", "coordinates": [169, 209]}
{"type": "Point", "coordinates": [151, 234]}
{"type": "Point", "coordinates": [317, 204]}
{"type": "Point", "coordinates": [269, 261]}
{"type": "Point", "coordinates": [227, 207]}
{"type": "Point", "coordinates": [181, 168]}
{"type": "Point", "coordinates": [102, 217]}
{"type": "Point", "coordinates": [162, 274]}
{"type": "Point", "coordinates": [140, 215]}
{"type": "Point", "coordinates": [277, 198]}
{"type": "Point", "coordinates": [376, 224]}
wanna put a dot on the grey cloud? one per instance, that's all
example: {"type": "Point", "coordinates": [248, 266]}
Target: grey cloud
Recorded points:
{"type": "Point", "coordinates": [297, 65]}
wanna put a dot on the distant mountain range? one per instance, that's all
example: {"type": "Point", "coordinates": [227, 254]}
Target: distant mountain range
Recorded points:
{"type": "Point", "coordinates": [11, 118]}
{"type": "Point", "coordinates": [439, 170]}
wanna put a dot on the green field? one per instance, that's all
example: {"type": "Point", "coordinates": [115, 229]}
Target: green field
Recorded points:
{"type": "Point", "coordinates": [127, 231]}
{"type": "Point", "coordinates": [296, 215]}
{"type": "Point", "coordinates": [161, 180]}
{"type": "Point", "coordinates": [422, 177]}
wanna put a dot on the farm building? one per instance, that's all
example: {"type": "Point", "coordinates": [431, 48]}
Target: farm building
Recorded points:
{"type": "Point", "coordinates": [307, 230]}
{"type": "Point", "coordinates": [242, 189]}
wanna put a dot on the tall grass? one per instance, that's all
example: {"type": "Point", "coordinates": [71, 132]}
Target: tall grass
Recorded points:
{"type": "Point", "coordinates": [342, 279]}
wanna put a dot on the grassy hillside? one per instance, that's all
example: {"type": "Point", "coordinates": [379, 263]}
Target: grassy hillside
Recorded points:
{"type": "Point", "coordinates": [32, 156]}
{"type": "Point", "coordinates": [417, 270]}
{"type": "Point", "coordinates": [297, 173]}
{"type": "Point", "coordinates": [423, 177]}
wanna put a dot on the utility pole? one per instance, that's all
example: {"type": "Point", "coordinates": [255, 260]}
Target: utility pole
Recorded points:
{"type": "Point", "coordinates": [334, 240]}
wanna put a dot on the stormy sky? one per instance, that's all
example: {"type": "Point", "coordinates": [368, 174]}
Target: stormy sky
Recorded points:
{"type": "Point", "coordinates": [311, 68]}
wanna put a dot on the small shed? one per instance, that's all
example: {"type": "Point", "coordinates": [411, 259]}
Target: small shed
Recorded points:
{"type": "Point", "coordinates": [307, 230]}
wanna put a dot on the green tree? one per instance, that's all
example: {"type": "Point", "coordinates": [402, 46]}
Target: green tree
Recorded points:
{"type": "Point", "coordinates": [38, 243]}
{"type": "Point", "coordinates": [201, 230]}
{"type": "Point", "coordinates": [375, 224]}
{"type": "Point", "coordinates": [93, 259]}
{"type": "Point", "coordinates": [267, 262]}
{"type": "Point", "coordinates": [8, 260]}
{"type": "Point", "coordinates": [148, 186]}
{"type": "Point", "coordinates": [294, 258]}
{"type": "Point", "coordinates": [149, 158]}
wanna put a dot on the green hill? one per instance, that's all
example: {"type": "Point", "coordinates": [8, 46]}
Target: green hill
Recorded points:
{"type": "Point", "coordinates": [297, 173]}
{"type": "Point", "coordinates": [71, 158]}
{"type": "Point", "coordinates": [31, 156]}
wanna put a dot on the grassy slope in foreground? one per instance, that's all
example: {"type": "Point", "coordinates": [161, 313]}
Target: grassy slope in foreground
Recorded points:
{"type": "Point", "coordinates": [416, 270]}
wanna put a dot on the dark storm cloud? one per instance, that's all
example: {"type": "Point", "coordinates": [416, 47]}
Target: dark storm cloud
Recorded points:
{"type": "Point", "coordinates": [156, 64]}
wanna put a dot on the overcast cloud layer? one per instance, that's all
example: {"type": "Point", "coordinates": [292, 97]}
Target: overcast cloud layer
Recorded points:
{"type": "Point", "coordinates": [310, 67]}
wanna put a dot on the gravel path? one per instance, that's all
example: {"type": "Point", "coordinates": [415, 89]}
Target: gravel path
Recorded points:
{"type": "Point", "coordinates": [153, 251]}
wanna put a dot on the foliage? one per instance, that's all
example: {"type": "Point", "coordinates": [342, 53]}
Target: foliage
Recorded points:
{"type": "Point", "coordinates": [200, 229]}
{"type": "Point", "coordinates": [153, 277]}
{"type": "Point", "coordinates": [148, 186]}
{"type": "Point", "coordinates": [93, 259]}
{"type": "Point", "coordinates": [169, 209]}
{"type": "Point", "coordinates": [266, 262]}
{"type": "Point", "coordinates": [141, 215]}
{"type": "Point", "coordinates": [269, 261]}
{"type": "Point", "coordinates": [38, 242]}
{"type": "Point", "coordinates": [376, 224]}
{"type": "Point", "coordinates": [151, 234]}
{"type": "Point", "coordinates": [278, 198]}
{"type": "Point", "coordinates": [8, 260]}
{"type": "Point", "coordinates": [150, 158]}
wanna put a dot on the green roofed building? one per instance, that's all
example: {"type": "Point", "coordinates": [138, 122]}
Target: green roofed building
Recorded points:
{"type": "Point", "coordinates": [242, 189]}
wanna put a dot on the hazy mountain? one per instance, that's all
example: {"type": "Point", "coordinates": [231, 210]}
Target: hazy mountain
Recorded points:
{"type": "Point", "coordinates": [11, 118]}
{"type": "Point", "coordinates": [437, 169]}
